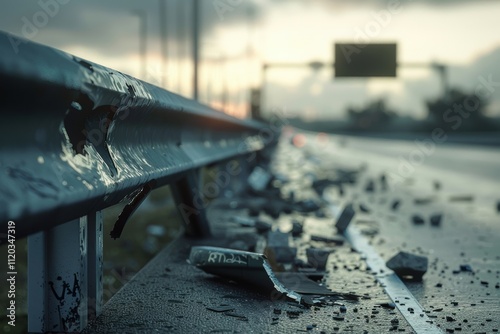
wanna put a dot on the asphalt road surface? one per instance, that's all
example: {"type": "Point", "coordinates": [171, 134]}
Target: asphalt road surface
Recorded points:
{"type": "Point", "coordinates": [459, 183]}
{"type": "Point", "coordinates": [442, 205]}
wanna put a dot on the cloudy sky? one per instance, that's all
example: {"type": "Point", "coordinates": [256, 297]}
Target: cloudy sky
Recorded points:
{"type": "Point", "coordinates": [238, 36]}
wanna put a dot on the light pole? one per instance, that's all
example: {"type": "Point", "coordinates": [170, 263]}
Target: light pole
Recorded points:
{"type": "Point", "coordinates": [163, 42]}
{"type": "Point", "coordinates": [143, 35]}
{"type": "Point", "coordinates": [196, 46]}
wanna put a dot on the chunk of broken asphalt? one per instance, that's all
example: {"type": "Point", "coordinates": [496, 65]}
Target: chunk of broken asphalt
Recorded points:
{"type": "Point", "coordinates": [436, 219]}
{"type": "Point", "coordinates": [320, 185]}
{"type": "Point", "coordinates": [417, 220]}
{"type": "Point", "coordinates": [301, 264]}
{"type": "Point", "coordinates": [272, 209]}
{"type": "Point", "coordinates": [424, 200]}
{"type": "Point", "coordinates": [461, 198]}
{"type": "Point", "coordinates": [345, 218]}
{"type": "Point", "coordinates": [278, 243]}
{"type": "Point", "coordinates": [407, 265]}
{"type": "Point", "coordinates": [253, 212]}
{"type": "Point", "coordinates": [277, 239]}
{"type": "Point", "coordinates": [388, 305]}
{"type": "Point", "coordinates": [364, 208]}
{"type": "Point", "coordinates": [307, 205]}
{"type": "Point", "coordinates": [259, 179]}
{"type": "Point", "coordinates": [466, 267]}
{"type": "Point", "coordinates": [317, 258]}
{"type": "Point", "coordinates": [320, 214]}
{"type": "Point", "coordinates": [383, 181]}
{"type": "Point", "coordinates": [370, 186]}
{"type": "Point", "coordinates": [342, 192]}
{"type": "Point", "coordinates": [297, 228]}
{"type": "Point", "coordinates": [262, 226]}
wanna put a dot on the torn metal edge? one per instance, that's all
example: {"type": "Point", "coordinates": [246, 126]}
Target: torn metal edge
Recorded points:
{"type": "Point", "coordinates": [277, 284]}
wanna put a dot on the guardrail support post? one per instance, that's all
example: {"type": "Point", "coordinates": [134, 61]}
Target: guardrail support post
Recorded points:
{"type": "Point", "coordinates": [59, 281]}
{"type": "Point", "coordinates": [191, 203]}
{"type": "Point", "coordinates": [95, 264]}
{"type": "Point", "coordinates": [37, 271]}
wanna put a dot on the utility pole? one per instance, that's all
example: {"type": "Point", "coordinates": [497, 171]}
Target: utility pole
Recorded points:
{"type": "Point", "coordinates": [179, 20]}
{"type": "Point", "coordinates": [143, 35]}
{"type": "Point", "coordinates": [163, 42]}
{"type": "Point", "coordinates": [196, 46]}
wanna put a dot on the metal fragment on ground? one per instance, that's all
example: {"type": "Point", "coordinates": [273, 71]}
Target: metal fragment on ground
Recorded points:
{"type": "Point", "coordinates": [247, 267]}
{"type": "Point", "coordinates": [334, 240]}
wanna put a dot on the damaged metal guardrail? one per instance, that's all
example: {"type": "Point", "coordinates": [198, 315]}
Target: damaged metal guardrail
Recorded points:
{"type": "Point", "coordinates": [77, 137]}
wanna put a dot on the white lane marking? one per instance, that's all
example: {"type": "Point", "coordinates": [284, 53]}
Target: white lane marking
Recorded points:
{"type": "Point", "coordinates": [403, 299]}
